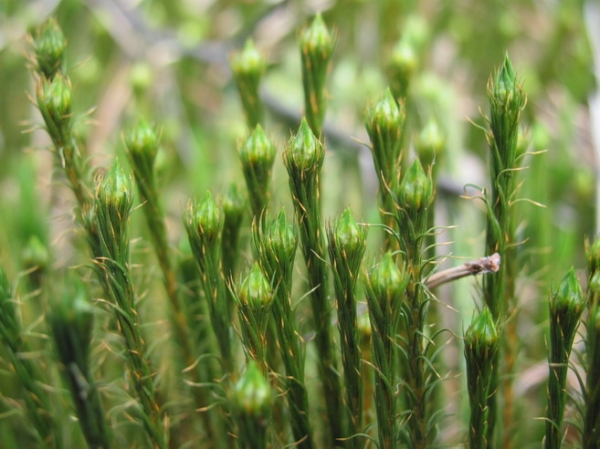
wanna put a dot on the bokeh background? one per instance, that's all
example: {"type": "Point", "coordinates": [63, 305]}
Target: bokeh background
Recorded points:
{"type": "Point", "coordinates": [169, 61]}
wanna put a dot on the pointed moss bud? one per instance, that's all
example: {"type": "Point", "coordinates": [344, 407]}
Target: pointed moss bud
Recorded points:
{"type": "Point", "coordinates": [593, 256]}
{"type": "Point", "coordinates": [141, 141]}
{"type": "Point", "coordinates": [54, 103]}
{"type": "Point", "coordinates": [49, 46]}
{"type": "Point", "coordinates": [347, 244]}
{"type": "Point", "coordinates": [384, 123]}
{"type": "Point", "coordinates": [386, 280]}
{"type": "Point", "coordinates": [348, 234]}
{"type": "Point", "coordinates": [507, 100]}
{"type": "Point", "coordinates": [401, 69]}
{"type": "Point", "coordinates": [316, 40]}
{"type": "Point", "coordinates": [316, 48]}
{"type": "Point", "coordinates": [304, 151]}
{"type": "Point", "coordinates": [281, 241]}
{"type": "Point", "coordinates": [208, 219]}
{"type": "Point", "coordinates": [481, 346]}
{"type": "Point", "coordinates": [254, 298]}
{"type": "Point", "coordinates": [481, 338]}
{"type": "Point", "coordinates": [505, 82]}
{"type": "Point", "coordinates": [248, 68]}
{"type": "Point", "coordinates": [253, 399]}
{"type": "Point", "coordinates": [115, 193]}
{"type": "Point", "coordinates": [429, 144]}
{"type": "Point", "coordinates": [114, 198]}
{"type": "Point", "coordinates": [204, 224]}
{"type": "Point", "coordinates": [257, 154]}
{"type": "Point", "coordinates": [415, 193]}
{"type": "Point", "coordinates": [255, 291]}
{"type": "Point", "coordinates": [568, 298]}
{"type": "Point", "coordinates": [566, 306]}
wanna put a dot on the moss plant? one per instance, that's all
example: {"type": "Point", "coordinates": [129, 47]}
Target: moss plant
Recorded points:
{"type": "Point", "coordinates": [385, 287]}
{"type": "Point", "coordinates": [248, 67]}
{"type": "Point", "coordinates": [566, 306]}
{"type": "Point", "coordinates": [591, 414]}
{"type": "Point", "coordinates": [384, 123]}
{"type": "Point", "coordinates": [303, 159]}
{"type": "Point", "coordinates": [316, 49]}
{"type": "Point", "coordinates": [257, 154]}
{"type": "Point", "coordinates": [254, 296]}
{"type": "Point", "coordinates": [303, 351]}
{"type": "Point", "coordinates": [274, 245]}
{"type": "Point", "coordinates": [414, 197]}
{"type": "Point", "coordinates": [347, 242]}
{"type": "Point", "coordinates": [252, 402]}
{"type": "Point", "coordinates": [71, 323]}
{"type": "Point", "coordinates": [507, 101]}
{"type": "Point", "coordinates": [204, 224]}
{"type": "Point", "coordinates": [37, 400]}
{"type": "Point", "coordinates": [481, 346]}
{"type": "Point", "coordinates": [113, 202]}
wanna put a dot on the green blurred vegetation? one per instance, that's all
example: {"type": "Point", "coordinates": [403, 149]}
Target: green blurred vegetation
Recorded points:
{"type": "Point", "coordinates": [169, 62]}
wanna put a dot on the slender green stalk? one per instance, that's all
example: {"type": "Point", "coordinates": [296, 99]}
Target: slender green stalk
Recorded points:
{"type": "Point", "coordinates": [142, 145]}
{"type": "Point", "coordinates": [274, 246]}
{"type": "Point", "coordinates": [384, 123]}
{"type": "Point", "coordinates": [414, 197]}
{"type": "Point", "coordinates": [385, 287]}
{"type": "Point", "coordinates": [71, 322]}
{"type": "Point", "coordinates": [204, 341]}
{"type": "Point", "coordinates": [591, 420]}
{"type": "Point", "coordinates": [566, 306]}
{"type": "Point", "coordinates": [113, 202]}
{"type": "Point", "coordinates": [316, 48]}
{"type": "Point", "coordinates": [37, 400]}
{"type": "Point", "coordinates": [481, 346]}
{"type": "Point", "coordinates": [303, 159]}
{"type": "Point", "coordinates": [53, 96]}
{"type": "Point", "coordinates": [141, 142]}
{"type": "Point", "coordinates": [257, 154]}
{"type": "Point", "coordinates": [204, 224]}
{"type": "Point", "coordinates": [252, 403]}
{"type": "Point", "coordinates": [591, 414]}
{"type": "Point", "coordinates": [248, 68]}
{"type": "Point", "coordinates": [347, 244]}
{"type": "Point", "coordinates": [507, 100]}
{"type": "Point", "coordinates": [54, 102]}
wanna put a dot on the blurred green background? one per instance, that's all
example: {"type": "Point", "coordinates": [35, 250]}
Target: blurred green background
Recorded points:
{"type": "Point", "coordinates": [169, 61]}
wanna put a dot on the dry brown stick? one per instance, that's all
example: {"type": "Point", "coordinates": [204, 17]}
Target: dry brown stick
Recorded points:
{"type": "Point", "coordinates": [490, 264]}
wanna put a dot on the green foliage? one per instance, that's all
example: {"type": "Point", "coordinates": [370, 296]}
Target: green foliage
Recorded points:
{"type": "Point", "coordinates": [127, 319]}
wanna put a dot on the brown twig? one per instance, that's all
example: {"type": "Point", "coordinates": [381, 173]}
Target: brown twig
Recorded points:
{"type": "Point", "coordinates": [490, 264]}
